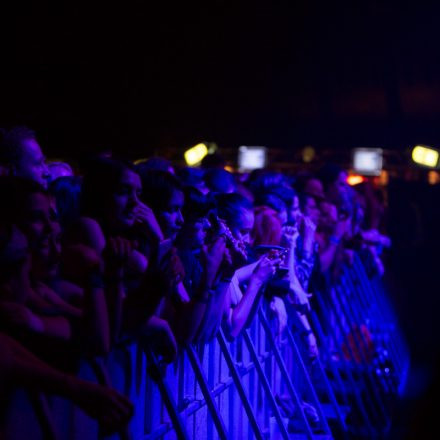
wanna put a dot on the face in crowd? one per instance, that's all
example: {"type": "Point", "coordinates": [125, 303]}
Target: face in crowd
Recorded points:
{"type": "Point", "coordinates": [242, 227]}
{"type": "Point", "coordinates": [294, 212]}
{"type": "Point", "coordinates": [329, 216]}
{"type": "Point", "coordinates": [32, 163]}
{"type": "Point", "coordinates": [40, 225]}
{"type": "Point", "coordinates": [311, 209]}
{"type": "Point", "coordinates": [170, 218]}
{"type": "Point", "coordinates": [122, 204]}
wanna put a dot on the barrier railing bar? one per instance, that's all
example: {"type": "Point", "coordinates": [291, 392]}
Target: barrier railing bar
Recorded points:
{"type": "Point", "coordinates": [361, 319]}
{"type": "Point", "coordinates": [265, 385]}
{"type": "Point", "coordinates": [201, 379]}
{"type": "Point", "coordinates": [237, 380]}
{"type": "Point", "coordinates": [347, 369]}
{"type": "Point", "coordinates": [292, 391]}
{"type": "Point", "coordinates": [376, 384]}
{"type": "Point", "coordinates": [165, 392]}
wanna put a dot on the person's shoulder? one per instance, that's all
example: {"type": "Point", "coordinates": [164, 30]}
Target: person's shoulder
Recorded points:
{"type": "Point", "coordinates": [88, 231]}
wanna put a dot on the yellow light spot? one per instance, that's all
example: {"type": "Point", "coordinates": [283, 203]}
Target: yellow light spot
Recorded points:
{"type": "Point", "coordinates": [194, 155]}
{"type": "Point", "coordinates": [355, 179]}
{"type": "Point", "coordinates": [308, 153]}
{"type": "Point", "coordinates": [425, 156]}
{"type": "Point", "coordinates": [139, 161]}
{"type": "Point", "coordinates": [229, 168]}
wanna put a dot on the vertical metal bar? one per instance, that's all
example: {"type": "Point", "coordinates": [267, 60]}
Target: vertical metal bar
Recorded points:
{"type": "Point", "coordinates": [201, 379]}
{"type": "Point", "coordinates": [292, 391]}
{"type": "Point", "coordinates": [354, 308]}
{"type": "Point", "coordinates": [354, 388]}
{"type": "Point", "coordinates": [237, 380]}
{"type": "Point", "coordinates": [265, 384]}
{"type": "Point", "coordinates": [377, 411]}
{"type": "Point", "coordinates": [157, 375]}
{"type": "Point", "coordinates": [328, 387]}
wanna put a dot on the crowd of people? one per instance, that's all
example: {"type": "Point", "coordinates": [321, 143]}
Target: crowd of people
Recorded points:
{"type": "Point", "coordinates": [97, 257]}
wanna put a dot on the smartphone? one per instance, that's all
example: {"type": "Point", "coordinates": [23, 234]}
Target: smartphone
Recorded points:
{"type": "Point", "coordinates": [264, 248]}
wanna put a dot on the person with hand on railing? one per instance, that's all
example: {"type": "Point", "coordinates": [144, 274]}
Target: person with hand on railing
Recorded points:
{"type": "Point", "coordinates": [243, 288]}
{"type": "Point", "coordinates": [20, 368]}
{"type": "Point", "coordinates": [185, 305]}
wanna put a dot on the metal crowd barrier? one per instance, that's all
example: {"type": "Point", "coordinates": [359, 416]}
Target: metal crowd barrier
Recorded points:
{"type": "Point", "coordinates": [262, 385]}
{"type": "Point", "coordinates": [256, 385]}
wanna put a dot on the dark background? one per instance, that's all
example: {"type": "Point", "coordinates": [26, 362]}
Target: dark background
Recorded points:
{"type": "Point", "coordinates": [144, 77]}
{"type": "Point", "coordinates": [141, 76]}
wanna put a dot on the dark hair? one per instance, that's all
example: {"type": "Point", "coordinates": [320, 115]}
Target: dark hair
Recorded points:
{"type": "Point", "coordinates": [329, 173]}
{"type": "Point", "coordinates": [191, 176]}
{"type": "Point", "coordinates": [263, 180]}
{"type": "Point", "coordinates": [303, 197]}
{"type": "Point", "coordinates": [11, 146]}
{"type": "Point", "coordinates": [214, 160]}
{"type": "Point", "coordinates": [100, 181]}
{"type": "Point", "coordinates": [343, 200]}
{"type": "Point", "coordinates": [284, 193]}
{"type": "Point", "coordinates": [219, 180]}
{"type": "Point", "coordinates": [272, 201]}
{"type": "Point", "coordinates": [229, 206]}
{"type": "Point", "coordinates": [154, 163]}
{"type": "Point", "coordinates": [67, 193]}
{"type": "Point", "coordinates": [196, 205]}
{"type": "Point", "coordinates": [158, 188]}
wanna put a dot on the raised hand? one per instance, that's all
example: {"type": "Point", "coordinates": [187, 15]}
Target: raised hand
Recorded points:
{"type": "Point", "coordinates": [266, 268]}
{"type": "Point", "coordinates": [161, 338]}
{"type": "Point", "coordinates": [290, 235]}
{"type": "Point", "coordinates": [212, 257]}
{"type": "Point", "coordinates": [145, 215]}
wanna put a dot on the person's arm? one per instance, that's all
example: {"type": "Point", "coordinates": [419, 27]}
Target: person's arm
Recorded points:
{"type": "Point", "coordinates": [95, 329]}
{"type": "Point", "coordinates": [22, 368]}
{"type": "Point", "coordinates": [310, 336]}
{"type": "Point", "coordinates": [190, 315]}
{"type": "Point", "coordinates": [309, 229]}
{"type": "Point", "coordinates": [18, 316]}
{"type": "Point", "coordinates": [53, 298]}
{"type": "Point", "coordinates": [327, 254]}
{"type": "Point", "coordinates": [278, 308]}
{"type": "Point", "coordinates": [83, 264]}
{"type": "Point", "coordinates": [86, 231]}
{"type": "Point", "coordinates": [297, 293]}
{"type": "Point", "coordinates": [249, 302]}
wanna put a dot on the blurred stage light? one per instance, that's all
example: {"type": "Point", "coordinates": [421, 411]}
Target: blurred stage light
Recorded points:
{"type": "Point", "coordinates": [355, 179]}
{"type": "Point", "coordinates": [251, 158]}
{"type": "Point", "coordinates": [384, 178]}
{"type": "Point", "coordinates": [194, 155]}
{"type": "Point", "coordinates": [368, 161]}
{"type": "Point", "coordinates": [308, 154]}
{"type": "Point", "coordinates": [433, 177]}
{"type": "Point", "coordinates": [139, 161]}
{"type": "Point", "coordinates": [425, 156]}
